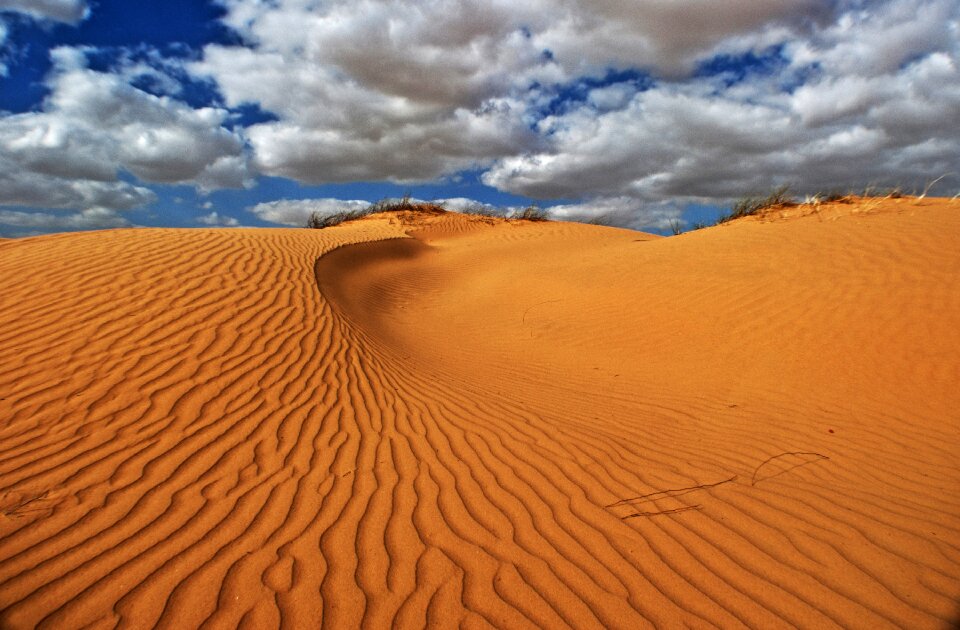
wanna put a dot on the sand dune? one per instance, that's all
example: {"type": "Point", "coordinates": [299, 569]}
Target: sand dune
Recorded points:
{"type": "Point", "coordinates": [446, 420]}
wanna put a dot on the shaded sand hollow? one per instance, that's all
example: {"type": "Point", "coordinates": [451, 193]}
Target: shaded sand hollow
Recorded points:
{"type": "Point", "coordinates": [450, 421]}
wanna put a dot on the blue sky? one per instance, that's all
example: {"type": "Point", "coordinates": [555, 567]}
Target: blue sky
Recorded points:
{"type": "Point", "coordinates": [243, 112]}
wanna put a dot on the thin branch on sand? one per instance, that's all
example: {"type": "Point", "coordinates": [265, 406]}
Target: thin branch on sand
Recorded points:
{"type": "Point", "coordinates": [753, 478]}
{"type": "Point", "coordinates": [678, 492]}
{"type": "Point", "coordinates": [674, 511]}
{"type": "Point", "coordinates": [25, 506]}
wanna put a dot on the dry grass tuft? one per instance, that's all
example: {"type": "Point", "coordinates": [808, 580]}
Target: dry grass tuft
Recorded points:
{"type": "Point", "coordinates": [750, 206]}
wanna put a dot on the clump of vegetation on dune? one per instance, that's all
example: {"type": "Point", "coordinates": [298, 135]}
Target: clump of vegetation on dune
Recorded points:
{"type": "Point", "coordinates": [749, 206]}
{"type": "Point", "coordinates": [835, 196]}
{"type": "Point", "coordinates": [484, 213]}
{"type": "Point", "coordinates": [873, 192]}
{"type": "Point", "coordinates": [531, 213]}
{"type": "Point", "coordinates": [780, 199]}
{"type": "Point", "coordinates": [317, 220]}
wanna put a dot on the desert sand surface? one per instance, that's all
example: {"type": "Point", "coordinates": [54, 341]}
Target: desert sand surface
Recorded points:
{"type": "Point", "coordinates": [444, 420]}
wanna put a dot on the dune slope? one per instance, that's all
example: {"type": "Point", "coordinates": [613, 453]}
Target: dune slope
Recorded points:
{"type": "Point", "coordinates": [445, 421]}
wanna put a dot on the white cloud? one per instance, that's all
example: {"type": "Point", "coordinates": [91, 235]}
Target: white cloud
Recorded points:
{"type": "Point", "coordinates": [94, 219]}
{"type": "Point", "coordinates": [216, 219]}
{"type": "Point", "coordinates": [335, 127]}
{"type": "Point", "coordinates": [295, 212]}
{"type": "Point", "coordinates": [95, 125]}
{"type": "Point", "coordinates": [399, 90]}
{"type": "Point", "coordinates": [404, 91]}
{"type": "Point", "coordinates": [42, 190]}
{"type": "Point", "coordinates": [700, 139]}
{"type": "Point", "coordinates": [666, 142]}
{"type": "Point", "coordinates": [624, 211]}
{"type": "Point", "coordinates": [666, 37]}
{"type": "Point", "coordinates": [879, 38]}
{"type": "Point", "coordinates": [68, 11]}
{"type": "Point", "coordinates": [463, 204]}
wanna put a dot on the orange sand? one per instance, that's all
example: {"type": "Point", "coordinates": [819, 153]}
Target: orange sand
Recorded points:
{"type": "Point", "coordinates": [485, 424]}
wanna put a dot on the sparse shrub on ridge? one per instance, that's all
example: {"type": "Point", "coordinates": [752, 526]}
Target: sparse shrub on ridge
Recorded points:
{"type": "Point", "coordinates": [320, 221]}
{"type": "Point", "coordinates": [750, 206]}
{"type": "Point", "coordinates": [836, 195]}
{"type": "Point", "coordinates": [779, 198]}
{"type": "Point", "coordinates": [315, 221]}
{"type": "Point", "coordinates": [531, 213]}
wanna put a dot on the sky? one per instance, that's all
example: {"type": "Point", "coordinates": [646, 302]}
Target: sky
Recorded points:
{"type": "Point", "coordinates": [257, 112]}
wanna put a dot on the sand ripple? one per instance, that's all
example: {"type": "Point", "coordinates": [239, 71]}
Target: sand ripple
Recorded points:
{"type": "Point", "coordinates": [510, 425]}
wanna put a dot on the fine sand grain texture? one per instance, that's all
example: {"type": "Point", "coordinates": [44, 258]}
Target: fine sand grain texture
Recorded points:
{"type": "Point", "coordinates": [457, 421]}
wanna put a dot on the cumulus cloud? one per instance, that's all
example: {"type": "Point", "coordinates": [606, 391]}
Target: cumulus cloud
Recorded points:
{"type": "Point", "coordinates": [666, 37]}
{"type": "Point", "coordinates": [850, 92]}
{"type": "Point", "coordinates": [334, 127]}
{"type": "Point", "coordinates": [95, 125]}
{"type": "Point", "coordinates": [644, 149]}
{"type": "Point", "coordinates": [890, 116]}
{"type": "Point", "coordinates": [879, 38]}
{"type": "Point", "coordinates": [624, 211]}
{"type": "Point", "coordinates": [68, 11]}
{"type": "Point", "coordinates": [217, 219]}
{"type": "Point", "coordinates": [295, 212]}
{"type": "Point", "coordinates": [463, 204]}
{"type": "Point", "coordinates": [42, 190]}
{"type": "Point", "coordinates": [407, 92]}
{"type": "Point", "coordinates": [94, 219]}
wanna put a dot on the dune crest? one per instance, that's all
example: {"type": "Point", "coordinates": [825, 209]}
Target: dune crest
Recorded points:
{"type": "Point", "coordinates": [450, 421]}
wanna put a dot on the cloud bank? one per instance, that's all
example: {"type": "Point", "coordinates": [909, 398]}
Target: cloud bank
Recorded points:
{"type": "Point", "coordinates": [874, 96]}
{"type": "Point", "coordinates": [295, 212]}
{"type": "Point", "coordinates": [631, 108]}
{"type": "Point", "coordinates": [736, 97]}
